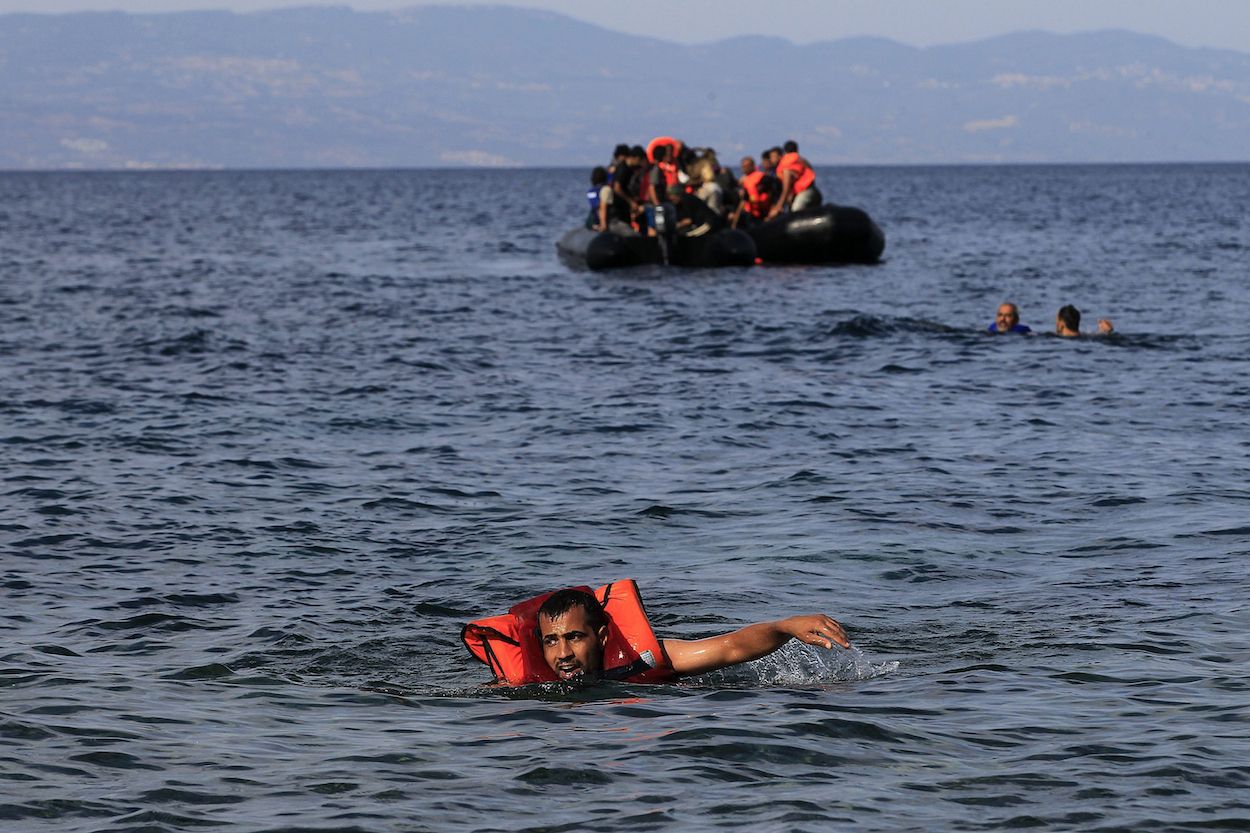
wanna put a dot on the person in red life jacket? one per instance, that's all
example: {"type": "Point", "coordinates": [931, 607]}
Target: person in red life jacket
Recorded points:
{"type": "Point", "coordinates": [757, 191]}
{"type": "Point", "coordinates": [573, 630]}
{"type": "Point", "coordinates": [654, 185]}
{"type": "Point", "coordinates": [662, 177]}
{"type": "Point", "coordinates": [664, 173]}
{"type": "Point", "coordinates": [798, 182]}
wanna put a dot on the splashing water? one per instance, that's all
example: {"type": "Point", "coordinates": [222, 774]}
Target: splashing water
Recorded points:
{"type": "Point", "coordinates": [798, 665]}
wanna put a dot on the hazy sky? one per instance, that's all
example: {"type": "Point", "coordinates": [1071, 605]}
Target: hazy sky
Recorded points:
{"type": "Point", "coordinates": [1219, 23]}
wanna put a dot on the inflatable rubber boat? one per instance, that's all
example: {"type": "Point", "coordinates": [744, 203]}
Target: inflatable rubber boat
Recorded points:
{"type": "Point", "coordinates": [595, 250]}
{"type": "Point", "coordinates": [826, 234]}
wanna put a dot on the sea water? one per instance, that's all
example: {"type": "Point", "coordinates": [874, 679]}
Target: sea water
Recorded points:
{"type": "Point", "coordinates": [269, 439]}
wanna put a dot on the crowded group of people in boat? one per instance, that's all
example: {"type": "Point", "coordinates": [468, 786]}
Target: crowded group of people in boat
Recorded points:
{"type": "Point", "coordinates": [706, 196]}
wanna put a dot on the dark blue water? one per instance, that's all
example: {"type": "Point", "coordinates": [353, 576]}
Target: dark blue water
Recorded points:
{"type": "Point", "coordinates": [268, 439]}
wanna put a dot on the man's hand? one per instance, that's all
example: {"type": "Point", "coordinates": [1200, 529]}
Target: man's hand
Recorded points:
{"type": "Point", "coordinates": [816, 629]}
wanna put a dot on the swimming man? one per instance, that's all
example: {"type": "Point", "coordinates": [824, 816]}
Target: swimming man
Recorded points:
{"type": "Point", "coordinates": [1008, 321]}
{"type": "Point", "coordinates": [573, 629]}
{"type": "Point", "coordinates": [1068, 323]}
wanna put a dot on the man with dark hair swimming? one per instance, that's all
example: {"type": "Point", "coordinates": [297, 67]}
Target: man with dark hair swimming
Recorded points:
{"type": "Point", "coordinates": [573, 629]}
{"type": "Point", "coordinates": [1068, 322]}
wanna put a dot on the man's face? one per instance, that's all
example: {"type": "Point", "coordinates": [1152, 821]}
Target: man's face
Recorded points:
{"type": "Point", "coordinates": [570, 646]}
{"type": "Point", "coordinates": [1006, 318]}
{"type": "Point", "coordinates": [748, 165]}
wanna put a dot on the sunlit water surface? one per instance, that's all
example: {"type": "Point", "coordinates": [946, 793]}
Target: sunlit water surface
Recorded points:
{"type": "Point", "coordinates": [269, 439]}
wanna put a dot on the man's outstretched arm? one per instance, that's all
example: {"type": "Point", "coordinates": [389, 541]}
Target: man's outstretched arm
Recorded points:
{"type": "Point", "coordinates": [697, 656]}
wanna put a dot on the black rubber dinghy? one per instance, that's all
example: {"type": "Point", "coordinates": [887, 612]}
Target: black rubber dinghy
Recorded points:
{"type": "Point", "coordinates": [827, 234]}
{"type": "Point", "coordinates": [584, 248]}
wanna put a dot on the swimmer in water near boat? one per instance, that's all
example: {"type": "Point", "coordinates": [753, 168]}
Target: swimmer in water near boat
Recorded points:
{"type": "Point", "coordinates": [1007, 320]}
{"type": "Point", "coordinates": [573, 630]}
{"type": "Point", "coordinates": [576, 635]}
{"type": "Point", "coordinates": [1068, 323]}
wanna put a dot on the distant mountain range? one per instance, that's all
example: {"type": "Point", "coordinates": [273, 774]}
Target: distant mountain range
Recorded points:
{"type": "Point", "coordinates": [447, 86]}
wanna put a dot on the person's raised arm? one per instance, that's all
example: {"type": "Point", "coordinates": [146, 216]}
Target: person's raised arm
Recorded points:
{"type": "Point", "coordinates": [697, 656]}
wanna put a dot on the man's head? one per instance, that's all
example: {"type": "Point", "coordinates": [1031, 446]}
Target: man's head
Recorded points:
{"type": "Point", "coordinates": [748, 165]}
{"type": "Point", "coordinates": [772, 156]}
{"type": "Point", "coordinates": [599, 176]}
{"type": "Point", "coordinates": [791, 146]}
{"type": "Point", "coordinates": [1068, 321]}
{"type": "Point", "coordinates": [620, 152]}
{"type": "Point", "coordinates": [660, 153]}
{"type": "Point", "coordinates": [572, 628]}
{"type": "Point", "coordinates": [1008, 316]}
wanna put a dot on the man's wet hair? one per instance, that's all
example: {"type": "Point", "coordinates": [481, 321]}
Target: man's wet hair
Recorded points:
{"type": "Point", "coordinates": [562, 601]}
{"type": "Point", "coordinates": [1071, 317]}
{"type": "Point", "coordinates": [791, 146]}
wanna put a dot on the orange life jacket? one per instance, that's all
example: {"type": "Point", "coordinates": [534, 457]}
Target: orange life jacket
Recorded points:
{"type": "Point", "coordinates": [804, 176]}
{"type": "Point", "coordinates": [758, 201]}
{"type": "Point", "coordinates": [509, 643]}
{"type": "Point", "coordinates": [674, 147]}
{"type": "Point", "coordinates": [669, 166]}
{"type": "Point", "coordinates": [671, 178]}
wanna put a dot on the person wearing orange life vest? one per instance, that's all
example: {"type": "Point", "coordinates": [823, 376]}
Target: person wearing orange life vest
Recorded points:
{"type": "Point", "coordinates": [573, 629]}
{"type": "Point", "coordinates": [664, 172]}
{"type": "Point", "coordinates": [640, 188]}
{"type": "Point", "coordinates": [756, 193]}
{"type": "Point", "coordinates": [798, 182]}
{"type": "Point", "coordinates": [663, 176]}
